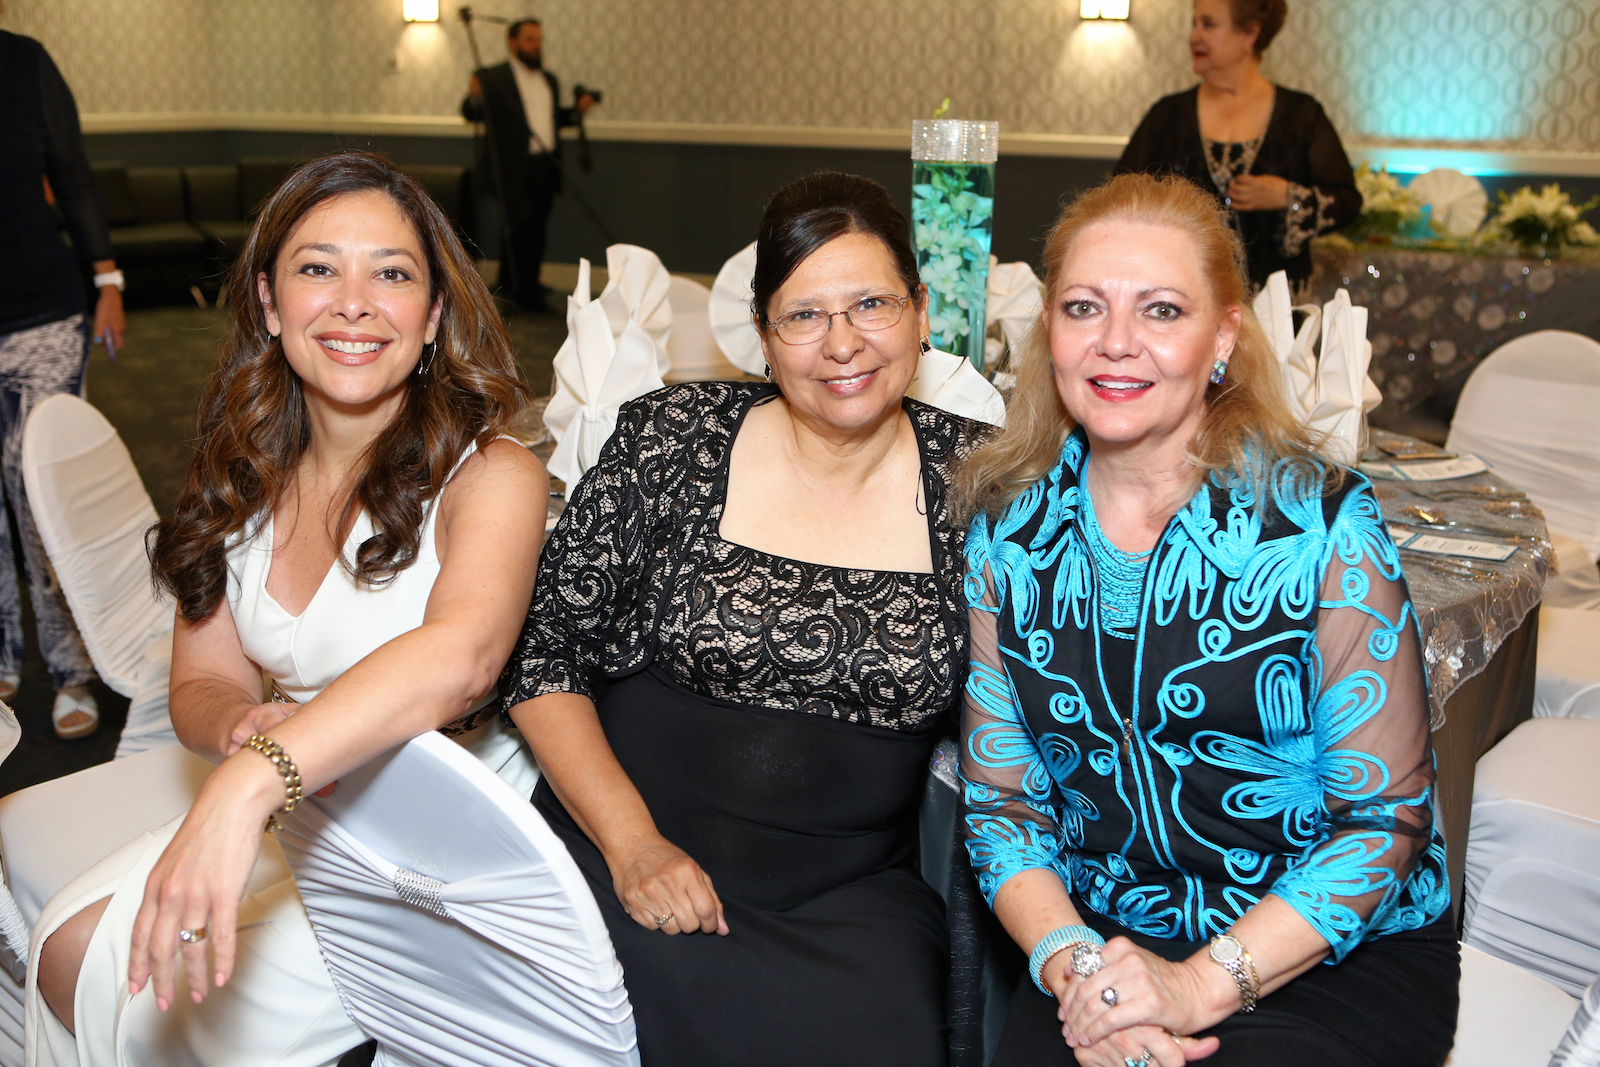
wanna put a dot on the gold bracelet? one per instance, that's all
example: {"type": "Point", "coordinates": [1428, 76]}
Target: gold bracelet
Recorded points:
{"type": "Point", "coordinates": [293, 791]}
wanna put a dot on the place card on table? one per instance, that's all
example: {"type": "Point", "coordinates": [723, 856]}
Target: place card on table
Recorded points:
{"type": "Point", "coordinates": [1439, 545]}
{"type": "Point", "coordinates": [1440, 470]}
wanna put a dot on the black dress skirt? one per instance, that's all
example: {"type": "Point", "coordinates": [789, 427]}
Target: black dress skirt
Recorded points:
{"type": "Point", "coordinates": [837, 950]}
{"type": "Point", "coordinates": [1390, 1002]}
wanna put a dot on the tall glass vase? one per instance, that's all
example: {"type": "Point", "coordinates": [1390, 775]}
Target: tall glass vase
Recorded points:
{"type": "Point", "coordinates": [952, 220]}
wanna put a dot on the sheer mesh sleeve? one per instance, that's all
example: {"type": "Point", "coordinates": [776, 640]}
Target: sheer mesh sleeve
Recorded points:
{"type": "Point", "coordinates": [590, 576]}
{"type": "Point", "coordinates": [1374, 757]}
{"type": "Point", "coordinates": [1007, 789]}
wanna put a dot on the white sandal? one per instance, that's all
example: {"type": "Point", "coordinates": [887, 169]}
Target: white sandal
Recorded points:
{"type": "Point", "coordinates": [67, 706]}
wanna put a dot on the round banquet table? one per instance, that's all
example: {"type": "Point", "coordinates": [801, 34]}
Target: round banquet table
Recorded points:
{"type": "Point", "coordinates": [1479, 621]}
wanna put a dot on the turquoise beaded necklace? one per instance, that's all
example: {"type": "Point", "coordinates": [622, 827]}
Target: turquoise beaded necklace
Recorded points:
{"type": "Point", "coordinates": [1120, 575]}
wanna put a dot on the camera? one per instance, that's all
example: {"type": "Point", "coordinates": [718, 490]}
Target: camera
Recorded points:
{"type": "Point", "coordinates": [579, 89]}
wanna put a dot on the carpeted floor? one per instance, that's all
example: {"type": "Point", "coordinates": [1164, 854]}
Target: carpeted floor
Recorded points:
{"type": "Point", "coordinates": [150, 394]}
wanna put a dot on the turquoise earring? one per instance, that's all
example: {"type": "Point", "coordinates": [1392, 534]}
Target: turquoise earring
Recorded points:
{"type": "Point", "coordinates": [1219, 371]}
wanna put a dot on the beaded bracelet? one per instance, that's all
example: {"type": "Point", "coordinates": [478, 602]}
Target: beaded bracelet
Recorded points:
{"type": "Point", "coordinates": [1055, 941]}
{"type": "Point", "coordinates": [293, 791]}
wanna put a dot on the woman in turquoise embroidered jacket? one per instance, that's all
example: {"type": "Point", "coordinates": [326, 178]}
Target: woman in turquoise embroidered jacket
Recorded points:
{"type": "Point", "coordinates": [1196, 749]}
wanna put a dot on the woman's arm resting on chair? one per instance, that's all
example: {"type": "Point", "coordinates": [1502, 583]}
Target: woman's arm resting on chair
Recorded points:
{"type": "Point", "coordinates": [491, 522]}
{"type": "Point", "coordinates": [652, 876]}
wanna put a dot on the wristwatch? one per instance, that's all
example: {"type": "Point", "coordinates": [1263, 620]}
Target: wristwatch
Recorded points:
{"type": "Point", "coordinates": [1229, 953]}
{"type": "Point", "coordinates": [110, 277]}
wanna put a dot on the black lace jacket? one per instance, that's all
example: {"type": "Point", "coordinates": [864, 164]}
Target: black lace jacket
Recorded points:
{"type": "Point", "coordinates": [635, 575]}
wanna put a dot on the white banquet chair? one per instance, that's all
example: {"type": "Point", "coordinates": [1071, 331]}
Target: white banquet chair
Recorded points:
{"type": "Point", "coordinates": [691, 349]}
{"type": "Point", "coordinates": [92, 512]}
{"type": "Point", "coordinates": [1580, 1046]}
{"type": "Point", "coordinates": [483, 948]}
{"type": "Point", "coordinates": [1509, 1017]}
{"type": "Point", "coordinates": [1567, 669]}
{"type": "Point", "coordinates": [1529, 409]}
{"type": "Point", "coordinates": [1532, 886]}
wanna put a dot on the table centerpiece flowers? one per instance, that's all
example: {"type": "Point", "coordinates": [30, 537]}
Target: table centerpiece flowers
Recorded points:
{"type": "Point", "coordinates": [1386, 205]}
{"type": "Point", "coordinates": [1542, 224]}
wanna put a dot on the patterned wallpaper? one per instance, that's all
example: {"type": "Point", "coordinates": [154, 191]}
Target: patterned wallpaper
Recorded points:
{"type": "Point", "coordinates": [1516, 74]}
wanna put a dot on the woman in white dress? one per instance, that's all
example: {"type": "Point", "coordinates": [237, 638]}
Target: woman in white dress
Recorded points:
{"type": "Point", "coordinates": [352, 527]}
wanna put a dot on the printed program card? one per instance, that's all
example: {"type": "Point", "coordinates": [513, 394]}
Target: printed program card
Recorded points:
{"type": "Point", "coordinates": [1455, 546]}
{"type": "Point", "coordinates": [1440, 470]}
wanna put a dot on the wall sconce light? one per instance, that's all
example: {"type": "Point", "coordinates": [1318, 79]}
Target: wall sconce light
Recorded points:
{"type": "Point", "coordinates": [1103, 9]}
{"type": "Point", "coordinates": [428, 10]}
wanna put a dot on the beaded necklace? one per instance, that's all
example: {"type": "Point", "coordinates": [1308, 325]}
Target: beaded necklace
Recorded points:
{"type": "Point", "coordinates": [1120, 576]}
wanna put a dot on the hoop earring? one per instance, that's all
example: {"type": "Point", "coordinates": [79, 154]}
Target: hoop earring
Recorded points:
{"type": "Point", "coordinates": [1219, 371]}
{"type": "Point", "coordinates": [926, 344]}
{"type": "Point", "coordinates": [425, 364]}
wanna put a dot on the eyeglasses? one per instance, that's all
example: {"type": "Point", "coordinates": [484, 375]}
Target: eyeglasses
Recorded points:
{"type": "Point", "coordinates": [812, 324]}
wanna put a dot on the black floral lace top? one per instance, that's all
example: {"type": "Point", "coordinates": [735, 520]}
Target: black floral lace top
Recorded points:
{"type": "Point", "coordinates": [636, 575]}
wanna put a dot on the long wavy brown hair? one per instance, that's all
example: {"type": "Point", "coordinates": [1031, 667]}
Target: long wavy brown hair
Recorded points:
{"type": "Point", "coordinates": [1248, 424]}
{"type": "Point", "coordinates": [253, 426]}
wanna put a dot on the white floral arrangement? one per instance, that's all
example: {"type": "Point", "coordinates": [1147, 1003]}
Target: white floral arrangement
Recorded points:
{"type": "Point", "coordinates": [1386, 205]}
{"type": "Point", "coordinates": [1547, 220]}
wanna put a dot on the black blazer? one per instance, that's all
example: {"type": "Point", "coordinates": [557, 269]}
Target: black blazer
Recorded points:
{"type": "Point", "coordinates": [508, 124]}
{"type": "Point", "coordinates": [1300, 146]}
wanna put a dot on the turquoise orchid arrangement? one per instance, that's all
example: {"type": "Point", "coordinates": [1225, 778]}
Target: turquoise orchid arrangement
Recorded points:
{"type": "Point", "coordinates": [952, 215]}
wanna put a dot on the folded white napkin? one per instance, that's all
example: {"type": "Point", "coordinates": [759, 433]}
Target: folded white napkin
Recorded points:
{"type": "Point", "coordinates": [1016, 300]}
{"type": "Point", "coordinates": [636, 288]}
{"type": "Point", "coordinates": [950, 382]}
{"type": "Point", "coordinates": [730, 312]}
{"type": "Point", "coordinates": [597, 371]}
{"type": "Point", "coordinates": [1275, 309]}
{"type": "Point", "coordinates": [1343, 392]}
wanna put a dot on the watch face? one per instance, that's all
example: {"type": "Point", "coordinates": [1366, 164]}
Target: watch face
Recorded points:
{"type": "Point", "coordinates": [1225, 949]}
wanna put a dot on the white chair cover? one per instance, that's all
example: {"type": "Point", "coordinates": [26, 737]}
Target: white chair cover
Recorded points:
{"type": "Point", "coordinates": [637, 288]}
{"type": "Point", "coordinates": [947, 381]}
{"type": "Point", "coordinates": [729, 312]}
{"type": "Point", "coordinates": [456, 947]}
{"type": "Point", "coordinates": [1459, 201]}
{"type": "Point", "coordinates": [1567, 682]}
{"type": "Point", "coordinates": [1529, 409]}
{"type": "Point", "coordinates": [1015, 301]}
{"type": "Point", "coordinates": [692, 350]}
{"type": "Point", "coordinates": [1533, 852]}
{"type": "Point", "coordinates": [1509, 1017]}
{"type": "Point", "coordinates": [92, 513]}
{"type": "Point", "coordinates": [1580, 1046]}
{"type": "Point", "coordinates": [13, 926]}
{"type": "Point", "coordinates": [596, 372]}
{"type": "Point", "coordinates": [1576, 583]}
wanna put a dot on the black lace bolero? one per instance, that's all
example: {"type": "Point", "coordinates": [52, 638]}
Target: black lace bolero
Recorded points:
{"type": "Point", "coordinates": [635, 574]}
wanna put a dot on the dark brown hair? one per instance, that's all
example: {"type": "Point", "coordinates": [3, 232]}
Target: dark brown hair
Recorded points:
{"type": "Point", "coordinates": [514, 28]}
{"type": "Point", "coordinates": [806, 214]}
{"type": "Point", "coordinates": [253, 426]}
{"type": "Point", "coordinates": [1248, 424]}
{"type": "Point", "coordinates": [1266, 15]}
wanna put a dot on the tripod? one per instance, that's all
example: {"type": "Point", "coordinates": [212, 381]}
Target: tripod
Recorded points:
{"type": "Point", "coordinates": [497, 170]}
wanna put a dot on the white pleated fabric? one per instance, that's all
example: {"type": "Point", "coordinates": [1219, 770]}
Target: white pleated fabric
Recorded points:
{"type": "Point", "coordinates": [1567, 682]}
{"type": "Point", "coordinates": [638, 290]}
{"type": "Point", "coordinates": [947, 381]}
{"type": "Point", "coordinates": [93, 512]}
{"type": "Point", "coordinates": [490, 952]}
{"type": "Point", "coordinates": [692, 350]}
{"type": "Point", "coordinates": [1344, 393]}
{"type": "Point", "coordinates": [1297, 361]}
{"type": "Point", "coordinates": [1509, 1017]}
{"type": "Point", "coordinates": [1580, 1045]}
{"type": "Point", "coordinates": [1015, 301]}
{"type": "Point", "coordinates": [729, 312]}
{"type": "Point", "coordinates": [1533, 854]}
{"type": "Point", "coordinates": [1529, 409]}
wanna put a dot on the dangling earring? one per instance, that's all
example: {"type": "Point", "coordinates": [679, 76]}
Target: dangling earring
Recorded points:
{"type": "Point", "coordinates": [766, 371]}
{"type": "Point", "coordinates": [926, 345]}
{"type": "Point", "coordinates": [425, 364]}
{"type": "Point", "coordinates": [1219, 371]}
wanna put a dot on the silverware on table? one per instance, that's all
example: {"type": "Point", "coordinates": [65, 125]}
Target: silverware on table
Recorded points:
{"type": "Point", "coordinates": [1452, 568]}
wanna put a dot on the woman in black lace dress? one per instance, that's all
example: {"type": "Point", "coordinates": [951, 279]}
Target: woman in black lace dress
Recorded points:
{"type": "Point", "coordinates": [746, 636]}
{"type": "Point", "coordinates": [1268, 153]}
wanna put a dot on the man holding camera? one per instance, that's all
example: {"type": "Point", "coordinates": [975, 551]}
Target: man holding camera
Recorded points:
{"type": "Point", "coordinates": [520, 101]}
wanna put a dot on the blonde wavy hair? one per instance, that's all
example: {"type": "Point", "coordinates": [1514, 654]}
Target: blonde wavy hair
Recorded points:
{"type": "Point", "coordinates": [1247, 427]}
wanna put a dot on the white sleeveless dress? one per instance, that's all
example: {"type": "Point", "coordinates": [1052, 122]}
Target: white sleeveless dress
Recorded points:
{"type": "Point", "coordinates": [280, 1007]}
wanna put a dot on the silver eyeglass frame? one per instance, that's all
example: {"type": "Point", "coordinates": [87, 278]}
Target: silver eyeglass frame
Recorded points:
{"type": "Point", "coordinates": [777, 324]}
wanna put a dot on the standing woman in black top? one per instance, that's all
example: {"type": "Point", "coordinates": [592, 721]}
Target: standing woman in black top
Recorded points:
{"type": "Point", "coordinates": [1268, 153]}
{"type": "Point", "coordinates": [44, 339]}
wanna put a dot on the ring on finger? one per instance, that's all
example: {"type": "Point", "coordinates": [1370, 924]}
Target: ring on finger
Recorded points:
{"type": "Point", "coordinates": [188, 936]}
{"type": "Point", "coordinates": [662, 920]}
{"type": "Point", "coordinates": [1143, 1060]}
{"type": "Point", "coordinates": [1109, 997]}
